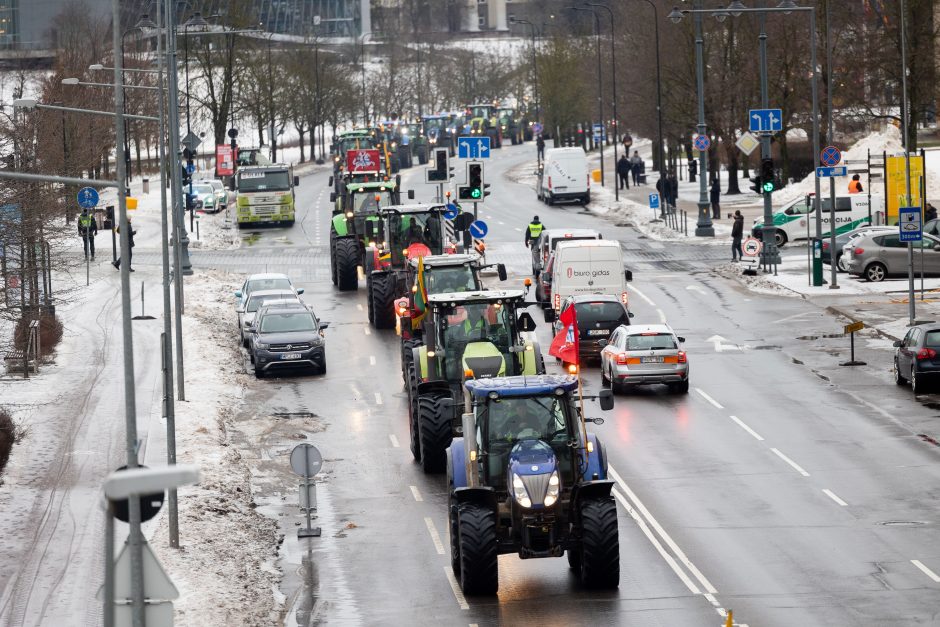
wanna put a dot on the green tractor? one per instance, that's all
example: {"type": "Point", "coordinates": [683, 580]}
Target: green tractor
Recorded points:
{"type": "Point", "coordinates": [467, 335]}
{"type": "Point", "coordinates": [413, 137]}
{"type": "Point", "coordinates": [358, 139]}
{"type": "Point", "coordinates": [512, 124]}
{"type": "Point", "coordinates": [403, 233]}
{"type": "Point", "coordinates": [359, 203]}
{"type": "Point", "coordinates": [482, 120]}
{"type": "Point", "coordinates": [528, 478]}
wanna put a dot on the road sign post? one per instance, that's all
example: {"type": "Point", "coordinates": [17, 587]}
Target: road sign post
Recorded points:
{"type": "Point", "coordinates": [831, 156]}
{"type": "Point", "coordinates": [910, 228]}
{"type": "Point", "coordinates": [473, 147]}
{"type": "Point", "coordinates": [850, 330]}
{"type": "Point", "coordinates": [87, 197]}
{"type": "Point", "coordinates": [306, 461]}
{"type": "Point", "coordinates": [751, 250]}
{"type": "Point", "coordinates": [765, 120]}
{"type": "Point", "coordinates": [654, 205]}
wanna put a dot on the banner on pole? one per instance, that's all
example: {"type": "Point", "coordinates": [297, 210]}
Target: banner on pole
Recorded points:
{"type": "Point", "coordinates": [895, 168]}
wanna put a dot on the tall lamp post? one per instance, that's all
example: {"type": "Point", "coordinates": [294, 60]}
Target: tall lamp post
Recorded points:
{"type": "Point", "coordinates": [362, 67]}
{"type": "Point", "coordinates": [613, 85]}
{"type": "Point", "coordinates": [600, 82]}
{"type": "Point", "coordinates": [535, 74]}
{"type": "Point", "coordinates": [659, 92]}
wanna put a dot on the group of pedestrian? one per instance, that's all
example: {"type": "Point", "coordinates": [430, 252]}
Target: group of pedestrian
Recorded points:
{"type": "Point", "coordinates": [668, 188]}
{"type": "Point", "coordinates": [630, 168]}
{"type": "Point", "coordinates": [88, 229]}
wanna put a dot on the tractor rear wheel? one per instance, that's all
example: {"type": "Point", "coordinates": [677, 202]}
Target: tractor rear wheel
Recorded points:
{"type": "Point", "coordinates": [411, 384]}
{"type": "Point", "coordinates": [383, 301]}
{"type": "Point", "coordinates": [407, 356]}
{"type": "Point", "coordinates": [346, 261]}
{"type": "Point", "coordinates": [600, 544]}
{"type": "Point", "coordinates": [434, 432]}
{"type": "Point", "coordinates": [479, 569]}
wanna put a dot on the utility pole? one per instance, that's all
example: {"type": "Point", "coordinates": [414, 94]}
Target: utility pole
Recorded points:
{"type": "Point", "coordinates": [703, 227]}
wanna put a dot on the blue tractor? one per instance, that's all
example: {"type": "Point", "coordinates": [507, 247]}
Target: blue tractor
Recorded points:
{"type": "Point", "coordinates": [528, 478]}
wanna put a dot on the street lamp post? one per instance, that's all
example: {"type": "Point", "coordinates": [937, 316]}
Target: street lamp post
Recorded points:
{"type": "Point", "coordinates": [600, 82]}
{"type": "Point", "coordinates": [535, 76]}
{"type": "Point", "coordinates": [362, 67]}
{"type": "Point", "coordinates": [907, 158]}
{"type": "Point", "coordinates": [659, 92]}
{"type": "Point", "coordinates": [613, 86]}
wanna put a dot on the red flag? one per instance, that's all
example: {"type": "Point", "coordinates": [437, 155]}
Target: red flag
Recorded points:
{"type": "Point", "coordinates": [566, 344]}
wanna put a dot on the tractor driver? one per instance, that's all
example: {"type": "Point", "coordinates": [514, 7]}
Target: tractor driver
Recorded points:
{"type": "Point", "coordinates": [514, 419]}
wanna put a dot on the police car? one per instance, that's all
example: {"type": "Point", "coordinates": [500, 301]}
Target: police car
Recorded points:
{"type": "Point", "coordinates": [797, 221]}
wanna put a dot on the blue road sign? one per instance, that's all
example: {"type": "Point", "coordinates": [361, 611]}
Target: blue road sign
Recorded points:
{"type": "Point", "coordinates": [537, 128]}
{"type": "Point", "coordinates": [701, 142]}
{"type": "Point", "coordinates": [479, 229]}
{"type": "Point", "coordinates": [909, 224]}
{"type": "Point", "coordinates": [765, 120]}
{"type": "Point", "coordinates": [470, 147]}
{"type": "Point", "coordinates": [451, 212]}
{"type": "Point", "coordinates": [831, 171]}
{"type": "Point", "coordinates": [190, 167]}
{"type": "Point", "coordinates": [830, 156]}
{"type": "Point", "coordinates": [654, 201]}
{"type": "Point", "coordinates": [87, 197]}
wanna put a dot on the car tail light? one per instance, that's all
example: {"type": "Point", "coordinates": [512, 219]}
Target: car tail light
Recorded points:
{"type": "Point", "coordinates": [622, 359]}
{"type": "Point", "coordinates": [623, 298]}
{"type": "Point", "coordinates": [557, 301]}
{"type": "Point", "coordinates": [858, 251]}
{"type": "Point", "coordinates": [926, 353]}
{"type": "Point", "coordinates": [683, 358]}
{"type": "Point", "coordinates": [549, 182]}
{"type": "Point", "coordinates": [825, 245]}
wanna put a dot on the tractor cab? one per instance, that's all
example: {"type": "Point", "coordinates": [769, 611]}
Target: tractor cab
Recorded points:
{"type": "Point", "coordinates": [528, 478]}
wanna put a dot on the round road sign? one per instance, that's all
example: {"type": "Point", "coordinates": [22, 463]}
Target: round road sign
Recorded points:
{"type": "Point", "coordinates": [305, 460]}
{"type": "Point", "coordinates": [87, 197]}
{"type": "Point", "coordinates": [537, 128]}
{"type": "Point", "coordinates": [830, 156]}
{"type": "Point", "coordinates": [479, 229]}
{"type": "Point", "coordinates": [451, 212]}
{"type": "Point", "coordinates": [751, 247]}
{"type": "Point", "coordinates": [150, 504]}
{"type": "Point", "coordinates": [701, 142]}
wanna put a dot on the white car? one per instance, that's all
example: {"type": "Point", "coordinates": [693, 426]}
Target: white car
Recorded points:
{"type": "Point", "coordinates": [645, 354]}
{"type": "Point", "coordinates": [265, 281]}
{"type": "Point", "coordinates": [254, 302]}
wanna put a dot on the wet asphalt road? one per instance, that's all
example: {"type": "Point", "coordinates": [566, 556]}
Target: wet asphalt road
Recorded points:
{"type": "Point", "coordinates": [782, 487]}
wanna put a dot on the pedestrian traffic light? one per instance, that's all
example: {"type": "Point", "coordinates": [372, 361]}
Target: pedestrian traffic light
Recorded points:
{"type": "Point", "coordinates": [756, 184]}
{"type": "Point", "coordinates": [767, 175]}
{"type": "Point", "coordinates": [475, 180]}
{"type": "Point", "coordinates": [440, 173]}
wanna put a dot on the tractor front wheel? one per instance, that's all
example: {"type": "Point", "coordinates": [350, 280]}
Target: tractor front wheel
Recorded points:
{"type": "Point", "coordinates": [479, 569]}
{"type": "Point", "coordinates": [382, 302]}
{"type": "Point", "coordinates": [600, 544]}
{"type": "Point", "coordinates": [434, 432]}
{"type": "Point", "coordinates": [346, 262]}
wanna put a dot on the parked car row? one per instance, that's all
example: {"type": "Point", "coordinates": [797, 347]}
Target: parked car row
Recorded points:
{"type": "Point", "coordinates": [277, 328]}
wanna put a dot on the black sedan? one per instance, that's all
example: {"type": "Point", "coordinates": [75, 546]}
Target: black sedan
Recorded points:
{"type": "Point", "coordinates": [917, 357]}
{"type": "Point", "coordinates": [288, 337]}
{"type": "Point", "coordinates": [598, 315]}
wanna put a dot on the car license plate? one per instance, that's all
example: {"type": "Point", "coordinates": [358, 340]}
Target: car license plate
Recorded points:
{"type": "Point", "coordinates": [297, 356]}
{"type": "Point", "coordinates": [599, 332]}
{"type": "Point", "coordinates": [651, 360]}
{"type": "Point", "coordinates": [561, 188]}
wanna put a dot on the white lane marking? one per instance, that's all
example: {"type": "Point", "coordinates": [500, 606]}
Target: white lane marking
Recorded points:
{"type": "Point", "coordinates": [518, 229]}
{"type": "Point", "coordinates": [371, 360]}
{"type": "Point", "coordinates": [669, 559]}
{"type": "Point", "coordinates": [747, 428]}
{"type": "Point", "coordinates": [792, 463]}
{"type": "Point", "coordinates": [662, 532]}
{"type": "Point", "coordinates": [793, 317]}
{"type": "Point", "coordinates": [711, 599]}
{"type": "Point", "coordinates": [926, 570]}
{"type": "Point", "coordinates": [416, 494]}
{"type": "Point", "coordinates": [394, 439]}
{"type": "Point", "coordinates": [641, 295]}
{"type": "Point", "coordinates": [355, 391]}
{"type": "Point", "coordinates": [709, 398]}
{"type": "Point", "coordinates": [368, 331]}
{"type": "Point", "coordinates": [695, 288]}
{"type": "Point", "coordinates": [435, 536]}
{"type": "Point", "coordinates": [378, 398]}
{"type": "Point", "coordinates": [359, 306]}
{"type": "Point", "coordinates": [835, 498]}
{"type": "Point", "coordinates": [662, 315]}
{"type": "Point", "coordinates": [458, 594]}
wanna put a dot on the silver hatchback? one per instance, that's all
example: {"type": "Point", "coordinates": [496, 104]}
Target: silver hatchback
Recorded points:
{"type": "Point", "coordinates": [643, 355]}
{"type": "Point", "coordinates": [878, 255]}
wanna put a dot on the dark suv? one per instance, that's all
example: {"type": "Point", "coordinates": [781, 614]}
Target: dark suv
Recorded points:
{"type": "Point", "coordinates": [917, 358]}
{"type": "Point", "coordinates": [598, 316]}
{"type": "Point", "coordinates": [288, 337]}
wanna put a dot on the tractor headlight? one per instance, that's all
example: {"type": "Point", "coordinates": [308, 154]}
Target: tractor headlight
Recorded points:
{"type": "Point", "coordinates": [349, 214]}
{"type": "Point", "coordinates": [519, 491]}
{"type": "Point", "coordinates": [554, 488]}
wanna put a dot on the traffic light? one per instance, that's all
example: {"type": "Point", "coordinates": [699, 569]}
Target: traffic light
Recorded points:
{"type": "Point", "coordinates": [475, 180]}
{"type": "Point", "coordinates": [440, 173]}
{"type": "Point", "coordinates": [767, 175]}
{"type": "Point", "coordinates": [756, 184]}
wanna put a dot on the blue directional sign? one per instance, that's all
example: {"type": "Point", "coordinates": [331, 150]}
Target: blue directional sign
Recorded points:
{"type": "Point", "coordinates": [654, 201]}
{"type": "Point", "coordinates": [831, 171]}
{"type": "Point", "coordinates": [598, 130]}
{"type": "Point", "coordinates": [830, 156]}
{"type": "Point", "coordinates": [471, 147]}
{"type": "Point", "coordinates": [190, 167]}
{"type": "Point", "coordinates": [87, 197]}
{"type": "Point", "coordinates": [765, 120]}
{"type": "Point", "coordinates": [701, 142]}
{"type": "Point", "coordinates": [537, 128]}
{"type": "Point", "coordinates": [909, 224]}
{"type": "Point", "coordinates": [479, 229]}
{"type": "Point", "coordinates": [451, 212]}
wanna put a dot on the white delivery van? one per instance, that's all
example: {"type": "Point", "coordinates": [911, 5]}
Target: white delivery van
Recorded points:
{"type": "Point", "coordinates": [548, 239]}
{"type": "Point", "coordinates": [795, 218]}
{"type": "Point", "coordinates": [586, 267]}
{"type": "Point", "coordinates": [564, 176]}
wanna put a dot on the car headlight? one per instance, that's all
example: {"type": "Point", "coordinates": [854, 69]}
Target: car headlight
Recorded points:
{"type": "Point", "coordinates": [262, 345]}
{"type": "Point", "coordinates": [519, 492]}
{"type": "Point", "coordinates": [554, 488]}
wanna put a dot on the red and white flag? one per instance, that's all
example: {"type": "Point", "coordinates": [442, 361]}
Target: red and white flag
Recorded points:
{"type": "Point", "coordinates": [565, 346]}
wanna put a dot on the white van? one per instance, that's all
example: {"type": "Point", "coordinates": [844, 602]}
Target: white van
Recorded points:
{"type": "Point", "coordinates": [549, 239]}
{"type": "Point", "coordinates": [793, 221]}
{"type": "Point", "coordinates": [564, 176]}
{"type": "Point", "coordinates": [586, 267]}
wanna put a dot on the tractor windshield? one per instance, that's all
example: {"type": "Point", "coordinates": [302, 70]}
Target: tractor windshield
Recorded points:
{"type": "Point", "coordinates": [435, 123]}
{"type": "Point", "coordinates": [451, 279]}
{"type": "Point", "coordinates": [355, 143]}
{"type": "Point", "coordinates": [414, 229]}
{"type": "Point", "coordinates": [479, 111]}
{"type": "Point", "coordinates": [365, 201]}
{"type": "Point", "coordinates": [474, 322]}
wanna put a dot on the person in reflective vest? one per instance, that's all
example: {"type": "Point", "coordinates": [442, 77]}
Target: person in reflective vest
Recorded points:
{"type": "Point", "coordinates": [855, 185]}
{"type": "Point", "coordinates": [87, 229]}
{"type": "Point", "coordinates": [532, 233]}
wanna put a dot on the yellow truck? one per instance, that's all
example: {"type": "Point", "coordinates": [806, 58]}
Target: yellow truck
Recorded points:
{"type": "Point", "coordinates": [265, 194]}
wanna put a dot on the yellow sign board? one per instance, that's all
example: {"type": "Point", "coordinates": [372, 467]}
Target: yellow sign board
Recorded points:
{"type": "Point", "coordinates": [130, 203]}
{"type": "Point", "coordinates": [855, 326]}
{"type": "Point", "coordinates": [897, 191]}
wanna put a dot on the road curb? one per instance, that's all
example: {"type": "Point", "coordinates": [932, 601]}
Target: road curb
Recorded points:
{"type": "Point", "coordinates": [831, 309]}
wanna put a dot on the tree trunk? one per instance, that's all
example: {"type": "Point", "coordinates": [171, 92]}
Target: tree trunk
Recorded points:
{"type": "Point", "coordinates": [733, 187]}
{"type": "Point", "coordinates": [301, 130]}
{"type": "Point", "coordinates": [140, 167]}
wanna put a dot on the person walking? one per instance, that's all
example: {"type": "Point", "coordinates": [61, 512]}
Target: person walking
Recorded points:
{"type": "Point", "coordinates": [673, 189]}
{"type": "Point", "coordinates": [636, 161]}
{"type": "Point", "coordinates": [623, 171]}
{"type": "Point", "coordinates": [693, 170]}
{"type": "Point", "coordinates": [931, 213]}
{"type": "Point", "coordinates": [87, 229]}
{"type": "Point", "coordinates": [737, 232]}
{"type": "Point", "coordinates": [130, 248]}
{"type": "Point", "coordinates": [855, 185]}
{"type": "Point", "coordinates": [540, 144]}
{"type": "Point", "coordinates": [714, 195]}
{"type": "Point", "coordinates": [533, 231]}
